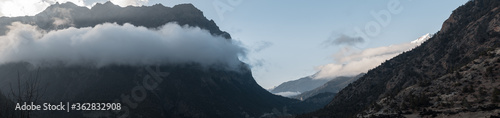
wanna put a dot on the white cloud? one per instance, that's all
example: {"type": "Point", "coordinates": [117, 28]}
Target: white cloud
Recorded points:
{"type": "Point", "coordinates": [61, 21]}
{"type": "Point", "coordinates": [353, 67]}
{"type": "Point", "coordinates": [108, 44]}
{"type": "Point", "coordinates": [374, 52]}
{"type": "Point", "coordinates": [349, 62]}
{"type": "Point", "coordinates": [124, 3]}
{"type": "Point", "coordinates": [14, 8]}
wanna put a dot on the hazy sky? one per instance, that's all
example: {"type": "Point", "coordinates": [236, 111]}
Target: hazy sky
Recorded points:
{"type": "Point", "coordinates": [285, 38]}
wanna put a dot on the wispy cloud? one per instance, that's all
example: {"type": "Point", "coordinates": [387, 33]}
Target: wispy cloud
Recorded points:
{"type": "Point", "coordinates": [262, 45]}
{"type": "Point", "coordinates": [257, 63]}
{"type": "Point", "coordinates": [343, 39]}
{"type": "Point", "coordinates": [349, 62]}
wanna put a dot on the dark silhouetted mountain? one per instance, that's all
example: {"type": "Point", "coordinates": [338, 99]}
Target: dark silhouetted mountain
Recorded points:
{"type": "Point", "coordinates": [332, 86]}
{"type": "Point", "coordinates": [313, 103]}
{"type": "Point", "coordinates": [300, 85]}
{"type": "Point", "coordinates": [184, 91]}
{"type": "Point", "coordinates": [71, 15]}
{"type": "Point", "coordinates": [471, 30]}
{"type": "Point", "coordinates": [176, 90]}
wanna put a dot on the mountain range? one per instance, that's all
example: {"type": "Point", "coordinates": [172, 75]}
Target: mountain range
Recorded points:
{"type": "Point", "coordinates": [299, 86]}
{"type": "Point", "coordinates": [332, 86]}
{"type": "Point", "coordinates": [452, 73]}
{"type": "Point", "coordinates": [445, 76]}
{"type": "Point", "coordinates": [163, 90]}
{"type": "Point", "coordinates": [61, 16]}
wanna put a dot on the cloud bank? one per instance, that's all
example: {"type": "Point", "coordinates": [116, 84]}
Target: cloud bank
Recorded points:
{"type": "Point", "coordinates": [349, 62]}
{"type": "Point", "coordinates": [113, 44]}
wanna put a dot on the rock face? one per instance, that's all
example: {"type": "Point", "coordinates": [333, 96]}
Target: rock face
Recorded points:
{"type": "Point", "coordinates": [470, 31]}
{"type": "Point", "coordinates": [471, 91]}
{"type": "Point", "coordinates": [176, 90]}
{"type": "Point", "coordinates": [301, 85]}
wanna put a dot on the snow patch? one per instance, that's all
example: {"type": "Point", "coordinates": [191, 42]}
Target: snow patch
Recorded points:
{"type": "Point", "coordinates": [422, 39]}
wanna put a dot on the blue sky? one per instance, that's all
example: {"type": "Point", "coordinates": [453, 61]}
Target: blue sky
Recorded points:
{"type": "Point", "coordinates": [297, 29]}
{"type": "Point", "coordinates": [285, 38]}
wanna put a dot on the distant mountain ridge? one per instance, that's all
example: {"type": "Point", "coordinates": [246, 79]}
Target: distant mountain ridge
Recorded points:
{"type": "Point", "coordinates": [300, 85]}
{"type": "Point", "coordinates": [309, 83]}
{"type": "Point", "coordinates": [332, 86]}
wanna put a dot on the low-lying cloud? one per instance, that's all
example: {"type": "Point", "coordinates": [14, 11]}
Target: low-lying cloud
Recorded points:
{"type": "Point", "coordinates": [349, 62]}
{"type": "Point", "coordinates": [287, 93]}
{"type": "Point", "coordinates": [113, 44]}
